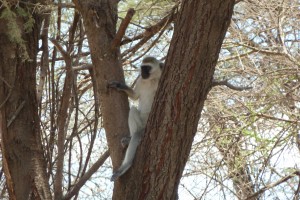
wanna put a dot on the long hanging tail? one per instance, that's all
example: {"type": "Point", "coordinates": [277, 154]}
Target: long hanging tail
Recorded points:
{"type": "Point", "coordinates": [129, 156]}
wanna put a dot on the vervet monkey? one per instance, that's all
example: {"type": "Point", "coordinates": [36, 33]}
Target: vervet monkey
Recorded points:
{"type": "Point", "coordinates": [144, 91]}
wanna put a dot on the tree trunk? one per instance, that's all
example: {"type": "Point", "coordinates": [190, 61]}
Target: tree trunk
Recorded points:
{"type": "Point", "coordinates": [100, 19]}
{"type": "Point", "coordinates": [23, 161]}
{"type": "Point", "coordinates": [199, 31]}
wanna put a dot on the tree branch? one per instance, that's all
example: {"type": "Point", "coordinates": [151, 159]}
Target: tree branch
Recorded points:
{"type": "Point", "coordinates": [86, 176]}
{"type": "Point", "coordinates": [121, 32]}
{"type": "Point", "coordinates": [276, 118]}
{"type": "Point", "coordinates": [64, 53]}
{"type": "Point", "coordinates": [150, 31]}
{"type": "Point", "coordinates": [229, 85]}
{"type": "Point", "coordinates": [236, 56]}
{"type": "Point", "coordinates": [284, 179]}
{"type": "Point", "coordinates": [61, 121]}
{"type": "Point", "coordinates": [82, 67]}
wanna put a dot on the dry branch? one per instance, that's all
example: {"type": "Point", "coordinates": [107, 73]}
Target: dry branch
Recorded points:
{"type": "Point", "coordinates": [229, 85]}
{"type": "Point", "coordinates": [86, 176]}
{"type": "Point", "coordinates": [121, 32]}
{"type": "Point", "coordinates": [284, 179]}
{"type": "Point", "coordinates": [149, 33]}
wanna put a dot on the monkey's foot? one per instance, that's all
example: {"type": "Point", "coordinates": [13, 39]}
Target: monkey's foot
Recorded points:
{"type": "Point", "coordinates": [125, 141]}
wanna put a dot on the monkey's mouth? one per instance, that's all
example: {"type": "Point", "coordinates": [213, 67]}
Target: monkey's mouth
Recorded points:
{"type": "Point", "coordinates": [145, 71]}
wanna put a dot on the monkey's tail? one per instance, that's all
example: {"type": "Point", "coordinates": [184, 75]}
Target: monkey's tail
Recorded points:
{"type": "Point", "coordinates": [129, 156]}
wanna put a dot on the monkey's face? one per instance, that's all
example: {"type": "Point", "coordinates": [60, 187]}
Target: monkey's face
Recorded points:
{"type": "Point", "coordinates": [145, 71]}
{"type": "Point", "coordinates": [150, 71]}
{"type": "Point", "coordinates": [151, 68]}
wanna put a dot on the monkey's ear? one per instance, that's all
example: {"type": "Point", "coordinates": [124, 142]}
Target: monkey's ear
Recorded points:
{"type": "Point", "coordinates": [161, 65]}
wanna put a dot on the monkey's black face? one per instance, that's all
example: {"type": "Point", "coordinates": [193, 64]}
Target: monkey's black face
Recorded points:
{"type": "Point", "coordinates": [145, 71]}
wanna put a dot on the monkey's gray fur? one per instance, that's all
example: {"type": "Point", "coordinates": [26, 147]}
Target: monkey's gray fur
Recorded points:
{"type": "Point", "coordinates": [144, 91]}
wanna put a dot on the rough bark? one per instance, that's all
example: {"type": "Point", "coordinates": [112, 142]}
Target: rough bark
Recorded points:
{"type": "Point", "coordinates": [23, 160]}
{"type": "Point", "coordinates": [100, 18]}
{"type": "Point", "coordinates": [199, 31]}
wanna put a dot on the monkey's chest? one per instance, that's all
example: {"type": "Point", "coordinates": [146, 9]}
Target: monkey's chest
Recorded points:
{"type": "Point", "coordinates": [147, 90]}
{"type": "Point", "coordinates": [145, 104]}
{"type": "Point", "coordinates": [145, 101]}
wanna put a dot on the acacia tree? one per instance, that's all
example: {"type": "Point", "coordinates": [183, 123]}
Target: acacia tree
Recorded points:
{"type": "Point", "coordinates": [23, 162]}
{"type": "Point", "coordinates": [108, 61]}
{"type": "Point", "coordinates": [239, 132]}
{"type": "Point", "coordinates": [189, 71]}
{"type": "Point", "coordinates": [100, 20]}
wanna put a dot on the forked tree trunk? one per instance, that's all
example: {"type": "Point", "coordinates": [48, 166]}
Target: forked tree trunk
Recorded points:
{"type": "Point", "coordinates": [199, 32]}
{"type": "Point", "coordinates": [22, 156]}
{"type": "Point", "coordinates": [100, 21]}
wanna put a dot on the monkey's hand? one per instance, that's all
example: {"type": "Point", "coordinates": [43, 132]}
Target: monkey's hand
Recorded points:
{"type": "Point", "coordinates": [123, 87]}
{"type": "Point", "coordinates": [125, 141]}
{"type": "Point", "coordinates": [117, 85]}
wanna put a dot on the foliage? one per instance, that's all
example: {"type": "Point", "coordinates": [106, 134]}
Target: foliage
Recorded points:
{"type": "Point", "coordinates": [14, 31]}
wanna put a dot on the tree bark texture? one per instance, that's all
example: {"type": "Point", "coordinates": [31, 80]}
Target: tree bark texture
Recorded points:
{"type": "Point", "coordinates": [200, 28]}
{"type": "Point", "coordinates": [23, 161]}
{"type": "Point", "coordinates": [100, 19]}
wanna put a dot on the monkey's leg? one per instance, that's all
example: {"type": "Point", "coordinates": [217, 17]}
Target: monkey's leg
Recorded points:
{"type": "Point", "coordinates": [135, 124]}
{"type": "Point", "coordinates": [134, 121]}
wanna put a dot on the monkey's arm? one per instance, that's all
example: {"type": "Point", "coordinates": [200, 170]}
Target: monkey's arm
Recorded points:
{"type": "Point", "coordinates": [123, 87]}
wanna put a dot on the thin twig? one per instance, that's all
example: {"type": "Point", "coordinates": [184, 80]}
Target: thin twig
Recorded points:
{"type": "Point", "coordinates": [149, 32]}
{"type": "Point", "coordinates": [276, 118]}
{"type": "Point", "coordinates": [16, 113]}
{"type": "Point", "coordinates": [6, 83]}
{"type": "Point", "coordinates": [262, 190]}
{"type": "Point", "coordinates": [7, 97]}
